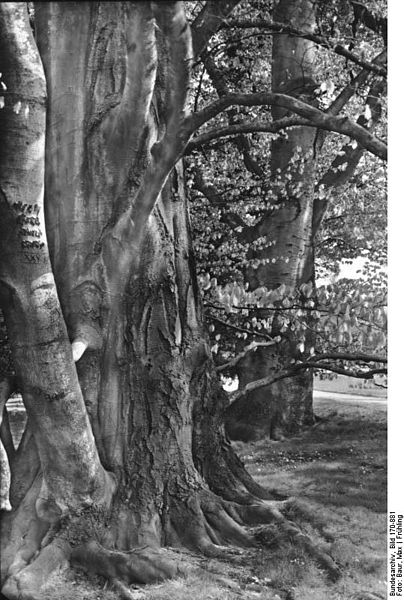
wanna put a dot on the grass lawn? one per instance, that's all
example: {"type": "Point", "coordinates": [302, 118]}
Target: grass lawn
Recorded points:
{"type": "Point", "coordinates": [337, 473]}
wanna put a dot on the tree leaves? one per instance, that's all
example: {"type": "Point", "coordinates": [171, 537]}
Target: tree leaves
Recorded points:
{"type": "Point", "coordinates": [344, 315]}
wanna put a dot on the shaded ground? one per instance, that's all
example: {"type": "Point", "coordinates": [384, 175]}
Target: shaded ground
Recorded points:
{"type": "Point", "coordinates": [339, 462]}
{"type": "Point", "coordinates": [337, 472]}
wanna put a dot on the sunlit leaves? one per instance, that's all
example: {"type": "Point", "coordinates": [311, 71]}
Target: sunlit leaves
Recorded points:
{"type": "Point", "coordinates": [229, 247]}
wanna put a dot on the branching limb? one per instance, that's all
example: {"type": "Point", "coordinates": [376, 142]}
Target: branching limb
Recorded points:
{"type": "Point", "coordinates": [314, 117]}
{"type": "Point", "coordinates": [250, 348]}
{"type": "Point", "coordinates": [341, 370]}
{"type": "Point", "coordinates": [346, 94]}
{"type": "Point", "coordinates": [310, 364]}
{"type": "Point", "coordinates": [344, 164]}
{"type": "Point", "coordinates": [238, 129]}
{"type": "Point", "coordinates": [359, 356]}
{"type": "Point", "coordinates": [218, 79]}
{"type": "Point", "coordinates": [321, 41]}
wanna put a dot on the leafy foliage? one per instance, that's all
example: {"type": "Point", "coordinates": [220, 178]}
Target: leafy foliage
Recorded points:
{"type": "Point", "coordinates": [233, 188]}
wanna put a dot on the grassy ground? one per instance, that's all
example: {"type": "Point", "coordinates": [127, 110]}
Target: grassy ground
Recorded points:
{"type": "Point", "coordinates": [337, 470]}
{"type": "Point", "coordinates": [350, 385]}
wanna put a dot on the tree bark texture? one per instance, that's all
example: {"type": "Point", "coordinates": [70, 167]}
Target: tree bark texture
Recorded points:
{"type": "Point", "coordinates": [124, 449]}
{"type": "Point", "coordinates": [284, 407]}
{"type": "Point", "coordinates": [41, 349]}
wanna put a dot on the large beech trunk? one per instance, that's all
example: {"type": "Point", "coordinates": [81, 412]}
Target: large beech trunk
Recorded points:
{"type": "Point", "coordinates": [124, 446]}
{"type": "Point", "coordinates": [285, 407]}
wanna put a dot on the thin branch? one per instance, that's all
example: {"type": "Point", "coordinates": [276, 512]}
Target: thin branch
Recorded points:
{"type": "Point", "coordinates": [266, 381]}
{"type": "Point", "coordinates": [240, 329]}
{"type": "Point", "coordinates": [199, 89]}
{"type": "Point", "coordinates": [348, 157]}
{"type": "Point", "coordinates": [243, 128]}
{"type": "Point", "coordinates": [317, 39]}
{"type": "Point", "coordinates": [275, 309]}
{"type": "Point", "coordinates": [359, 356]}
{"type": "Point", "coordinates": [314, 116]}
{"type": "Point", "coordinates": [341, 371]}
{"type": "Point", "coordinates": [242, 143]}
{"type": "Point", "coordinates": [346, 94]}
{"type": "Point", "coordinates": [341, 100]}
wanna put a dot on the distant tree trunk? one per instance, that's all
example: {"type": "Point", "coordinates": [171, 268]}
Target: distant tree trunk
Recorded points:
{"type": "Point", "coordinates": [284, 407]}
{"type": "Point", "coordinates": [124, 444]}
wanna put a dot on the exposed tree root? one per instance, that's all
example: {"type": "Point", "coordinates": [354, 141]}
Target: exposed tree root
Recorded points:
{"type": "Point", "coordinates": [201, 521]}
{"type": "Point", "coordinates": [273, 513]}
{"type": "Point", "coordinates": [214, 525]}
{"type": "Point", "coordinates": [227, 476]}
{"type": "Point", "coordinates": [140, 565]}
{"type": "Point", "coordinates": [27, 583]}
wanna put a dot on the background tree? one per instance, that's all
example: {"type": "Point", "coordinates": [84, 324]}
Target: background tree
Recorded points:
{"type": "Point", "coordinates": [124, 445]}
{"type": "Point", "coordinates": [263, 226]}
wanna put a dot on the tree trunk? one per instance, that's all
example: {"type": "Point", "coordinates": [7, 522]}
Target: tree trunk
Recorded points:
{"type": "Point", "coordinates": [285, 407]}
{"type": "Point", "coordinates": [124, 446]}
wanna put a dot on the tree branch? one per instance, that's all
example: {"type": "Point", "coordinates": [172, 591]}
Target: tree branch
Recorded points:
{"type": "Point", "coordinates": [359, 356]}
{"type": "Point", "coordinates": [346, 94]}
{"type": "Point", "coordinates": [240, 329]}
{"type": "Point", "coordinates": [266, 381]}
{"type": "Point", "coordinates": [341, 371]}
{"type": "Point", "coordinates": [241, 142]}
{"type": "Point", "coordinates": [208, 22]}
{"type": "Point", "coordinates": [363, 15]}
{"type": "Point", "coordinates": [250, 348]}
{"type": "Point", "coordinates": [314, 117]}
{"type": "Point", "coordinates": [317, 39]}
{"type": "Point", "coordinates": [349, 157]}
{"type": "Point", "coordinates": [243, 128]}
